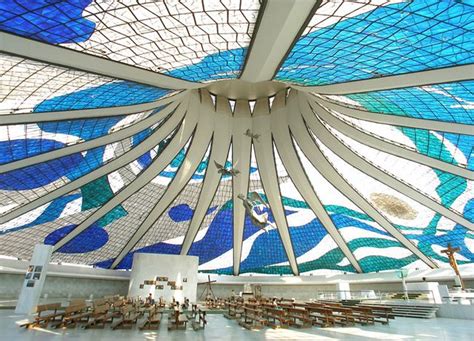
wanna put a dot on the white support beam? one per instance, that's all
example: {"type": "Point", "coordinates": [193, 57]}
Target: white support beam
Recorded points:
{"type": "Point", "coordinates": [97, 142]}
{"type": "Point", "coordinates": [204, 114]}
{"type": "Point", "coordinates": [400, 121]}
{"type": "Point", "coordinates": [159, 164]}
{"type": "Point", "coordinates": [281, 117]}
{"type": "Point", "coordinates": [83, 114]}
{"type": "Point", "coordinates": [278, 28]}
{"type": "Point", "coordinates": [385, 146]}
{"type": "Point", "coordinates": [412, 79]}
{"type": "Point", "coordinates": [319, 161]}
{"type": "Point", "coordinates": [268, 173]}
{"type": "Point", "coordinates": [360, 163]}
{"type": "Point", "coordinates": [241, 153]}
{"type": "Point", "coordinates": [111, 166]}
{"type": "Point", "coordinates": [61, 56]}
{"type": "Point", "coordinates": [221, 141]}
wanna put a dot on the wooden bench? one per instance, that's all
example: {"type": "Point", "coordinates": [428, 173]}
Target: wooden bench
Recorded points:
{"type": "Point", "coordinates": [152, 320]}
{"type": "Point", "coordinates": [99, 316]}
{"type": "Point", "coordinates": [276, 317]}
{"type": "Point", "coordinates": [252, 318]}
{"type": "Point", "coordinates": [363, 315]}
{"type": "Point", "coordinates": [200, 320]}
{"type": "Point", "coordinates": [235, 310]}
{"type": "Point", "coordinates": [341, 315]}
{"type": "Point", "coordinates": [320, 315]}
{"type": "Point", "coordinates": [299, 317]}
{"type": "Point", "coordinates": [177, 320]}
{"type": "Point", "coordinates": [71, 315]}
{"type": "Point", "coordinates": [46, 313]}
{"type": "Point", "coordinates": [382, 314]}
{"type": "Point", "coordinates": [127, 319]}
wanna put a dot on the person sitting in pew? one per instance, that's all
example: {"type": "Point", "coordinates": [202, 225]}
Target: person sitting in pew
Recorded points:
{"type": "Point", "coordinates": [150, 300]}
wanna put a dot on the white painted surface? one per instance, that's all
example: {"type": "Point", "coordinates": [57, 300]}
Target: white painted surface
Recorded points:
{"type": "Point", "coordinates": [344, 289]}
{"type": "Point", "coordinates": [433, 287]}
{"type": "Point", "coordinates": [30, 295]}
{"type": "Point", "coordinates": [176, 268]}
{"type": "Point", "coordinates": [456, 311]}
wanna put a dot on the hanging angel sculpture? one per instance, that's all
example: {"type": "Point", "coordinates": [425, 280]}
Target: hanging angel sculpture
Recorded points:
{"type": "Point", "coordinates": [257, 210]}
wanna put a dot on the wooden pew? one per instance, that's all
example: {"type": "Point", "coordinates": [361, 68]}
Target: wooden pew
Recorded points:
{"type": "Point", "coordinates": [177, 320]}
{"type": "Point", "coordinates": [72, 315]}
{"type": "Point", "coordinates": [299, 317]}
{"type": "Point", "coordinates": [252, 318]}
{"type": "Point", "coordinates": [234, 310]}
{"type": "Point", "coordinates": [153, 319]}
{"type": "Point", "coordinates": [200, 320]}
{"type": "Point", "coordinates": [276, 317]}
{"type": "Point", "coordinates": [363, 315]}
{"type": "Point", "coordinates": [127, 319]}
{"type": "Point", "coordinates": [382, 314]}
{"type": "Point", "coordinates": [320, 315]}
{"type": "Point", "coordinates": [99, 316]}
{"type": "Point", "coordinates": [45, 313]}
{"type": "Point", "coordinates": [341, 315]}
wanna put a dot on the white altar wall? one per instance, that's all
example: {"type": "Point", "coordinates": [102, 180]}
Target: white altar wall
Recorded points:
{"type": "Point", "coordinates": [160, 271]}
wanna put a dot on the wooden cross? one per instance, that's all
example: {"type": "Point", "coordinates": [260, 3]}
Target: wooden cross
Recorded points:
{"type": "Point", "coordinates": [208, 289]}
{"type": "Point", "coordinates": [450, 251]}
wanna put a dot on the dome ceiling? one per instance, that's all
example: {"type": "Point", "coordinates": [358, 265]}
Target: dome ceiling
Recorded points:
{"type": "Point", "coordinates": [276, 137]}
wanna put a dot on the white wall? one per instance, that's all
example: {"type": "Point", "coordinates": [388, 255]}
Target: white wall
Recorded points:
{"type": "Point", "coordinates": [181, 269]}
{"type": "Point", "coordinates": [81, 282]}
{"type": "Point", "coordinates": [64, 280]}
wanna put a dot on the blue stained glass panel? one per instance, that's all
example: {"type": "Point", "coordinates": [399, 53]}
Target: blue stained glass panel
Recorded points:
{"type": "Point", "coordinates": [55, 22]}
{"type": "Point", "coordinates": [451, 102]}
{"type": "Point", "coordinates": [391, 39]}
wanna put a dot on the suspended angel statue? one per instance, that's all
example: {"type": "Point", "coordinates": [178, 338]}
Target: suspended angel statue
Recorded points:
{"type": "Point", "coordinates": [224, 171]}
{"type": "Point", "coordinates": [255, 208]}
{"type": "Point", "coordinates": [252, 135]}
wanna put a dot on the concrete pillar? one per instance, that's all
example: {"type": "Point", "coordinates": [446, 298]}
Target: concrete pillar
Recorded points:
{"type": "Point", "coordinates": [167, 276]}
{"type": "Point", "coordinates": [34, 279]}
{"type": "Point", "coordinates": [343, 290]}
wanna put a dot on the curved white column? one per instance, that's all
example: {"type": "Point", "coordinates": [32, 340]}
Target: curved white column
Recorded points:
{"type": "Point", "coordinates": [204, 116]}
{"type": "Point", "coordinates": [164, 131]}
{"type": "Point", "coordinates": [173, 148]}
{"type": "Point", "coordinates": [387, 147]}
{"type": "Point", "coordinates": [268, 173]}
{"type": "Point", "coordinates": [280, 118]}
{"type": "Point", "coordinates": [360, 163]}
{"type": "Point", "coordinates": [419, 78]}
{"type": "Point", "coordinates": [270, 42]}
{"type": "Point", "coordinates": [56, 55]}
{"type": "Point", "coordinates": [221, 141]}
{"type": "Point", "coordinates": [87, 145]}
{"type": "Point", "coordinates": [241, 153]}
{"type": "Point", "coordinates": [319, 161]}
{"type": "Point", "coordinates": [401, 121]}
{"type": "Point", "coordinates": [83, 114]}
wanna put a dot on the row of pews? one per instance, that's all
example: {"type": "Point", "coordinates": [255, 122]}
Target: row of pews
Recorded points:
{"type": "Point", "coordinates": [118, 311]}
{"type": "Point", "coordinates": [283, 313]}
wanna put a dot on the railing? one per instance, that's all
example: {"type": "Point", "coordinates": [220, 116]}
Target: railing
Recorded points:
{"type": "Point", "coordinates": [466, 297]}
{"type": "Point", "coordinates": [425, 296]}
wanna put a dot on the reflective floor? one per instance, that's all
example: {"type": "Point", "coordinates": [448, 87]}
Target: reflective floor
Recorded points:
{"type": "Point", "coordinates": [219, 328]}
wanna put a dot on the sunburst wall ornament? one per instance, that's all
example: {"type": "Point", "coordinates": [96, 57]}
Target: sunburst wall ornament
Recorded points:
{"type": "Point", "coordinates": [393, 206]}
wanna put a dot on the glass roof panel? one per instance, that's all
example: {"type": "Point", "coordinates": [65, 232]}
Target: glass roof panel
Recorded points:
{"type": "Point", "coordinates": [451, 102]}
{"type": "Point", "coordinates": [193, 40]}
{"type": "Point", "coordinates": [32, 86]}
{"type": "Point", "coordinates": [425, 228]}
{"type": "Point", "coordinates": [351, 40]}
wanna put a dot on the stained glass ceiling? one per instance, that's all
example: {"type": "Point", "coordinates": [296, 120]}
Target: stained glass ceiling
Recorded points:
{"type": "Point", "coordinates": [261, 136]}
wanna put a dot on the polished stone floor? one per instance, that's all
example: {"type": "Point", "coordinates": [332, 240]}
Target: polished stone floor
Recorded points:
{"type": "Point", "coordinates": [219, 328]}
